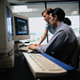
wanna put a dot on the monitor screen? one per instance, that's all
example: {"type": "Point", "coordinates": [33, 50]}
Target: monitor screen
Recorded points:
{"type": "Point", "coordinates": [9, 23]}
{"type": "Point", "coordinates": [21, 26]}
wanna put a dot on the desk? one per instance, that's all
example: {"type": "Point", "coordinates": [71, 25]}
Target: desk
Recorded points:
{"type": "Point", "coordinates": [22, 72]}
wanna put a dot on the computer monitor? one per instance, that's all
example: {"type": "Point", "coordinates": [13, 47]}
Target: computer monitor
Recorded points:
{"type": "Point", "coordinates": [9, 23]}
{"type": "Point", "coordinates": [6, 41]}
{"type": "Point", "coordinates": [20, 27]}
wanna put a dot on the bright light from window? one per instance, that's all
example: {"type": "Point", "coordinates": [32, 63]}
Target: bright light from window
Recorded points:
{"type": "Point", "coordinates": [75, 24]}
{"type": "Point", "coordinates": [24, 8]}
{"type": "Point", "coordinates": [37, 28]}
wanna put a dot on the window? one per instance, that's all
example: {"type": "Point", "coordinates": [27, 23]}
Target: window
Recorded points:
{"type": "Point", "coordinates": [37, 28]}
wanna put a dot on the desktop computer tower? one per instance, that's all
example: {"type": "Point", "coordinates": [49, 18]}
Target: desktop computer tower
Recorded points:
{"type": "Point", "coordinates": [6, 40]}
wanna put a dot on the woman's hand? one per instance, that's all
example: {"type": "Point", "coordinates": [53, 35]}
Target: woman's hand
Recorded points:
{"type": "Point", "coordinates": [37, 45]}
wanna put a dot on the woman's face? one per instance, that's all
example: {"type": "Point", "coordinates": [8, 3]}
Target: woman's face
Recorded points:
{"type": "Point", "coordinates": [52, 20]}
{"type": "Point", "coordinates": [46, 17]}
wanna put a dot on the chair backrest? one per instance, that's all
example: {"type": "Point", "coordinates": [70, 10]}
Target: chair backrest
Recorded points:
{"type": "Point", "coordinates": [75, 56]}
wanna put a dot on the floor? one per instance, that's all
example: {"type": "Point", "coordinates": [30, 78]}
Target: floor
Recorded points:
{"type": "Point", "coordinates": [21, 71]}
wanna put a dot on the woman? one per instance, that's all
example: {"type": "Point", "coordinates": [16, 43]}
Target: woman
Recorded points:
{"type": "Point", "coordinates": [52, 30]}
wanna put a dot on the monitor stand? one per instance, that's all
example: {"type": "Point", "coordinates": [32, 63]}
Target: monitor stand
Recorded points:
{"type": "Point", "coordinates": [19, 44]}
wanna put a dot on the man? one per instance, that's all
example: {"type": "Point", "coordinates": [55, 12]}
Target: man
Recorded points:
{"type": "Point", "coordinates": [63, 42]}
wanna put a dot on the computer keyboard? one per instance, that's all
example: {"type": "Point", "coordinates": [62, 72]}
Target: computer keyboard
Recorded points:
{"type": "Point", "coordinates": [43, 65]}
{"type": "Point", "coordinates": [42, 62]}
{"type": "Point", "coordinates": [26, 49]}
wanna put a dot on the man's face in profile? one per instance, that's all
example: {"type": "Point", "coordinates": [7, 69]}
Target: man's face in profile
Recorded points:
{"type": "Point", "coordinates": [52, 20]}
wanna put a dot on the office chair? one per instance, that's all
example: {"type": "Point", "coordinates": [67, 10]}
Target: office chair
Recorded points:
{"type": "Point", "coordinates": [75, 56]}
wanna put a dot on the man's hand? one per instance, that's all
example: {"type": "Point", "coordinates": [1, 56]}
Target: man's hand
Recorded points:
{"type": "Point", "coordinates": [32, 46]}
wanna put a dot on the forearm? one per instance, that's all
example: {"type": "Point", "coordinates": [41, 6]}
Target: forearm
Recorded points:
{"type": "Point", "coordinates": [42, 48]}
{"type": "Point", "coordinates": [54, 44]}
{"type": "Point", "coordinates": [42, 39]}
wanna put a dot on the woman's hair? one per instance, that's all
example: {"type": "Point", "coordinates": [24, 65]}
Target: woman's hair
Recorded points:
{"type": "Point", "coordinates": [48, 11]}
{"type": "Point", "coordinates": [60, 15]}
{"type": "Point", "coordinates": [67, 21]}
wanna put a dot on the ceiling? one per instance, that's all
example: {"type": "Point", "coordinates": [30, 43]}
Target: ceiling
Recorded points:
{"type": "Point", "coordinates": [26, 1]}
{"type": "Point", "coordinates": [35, 10]}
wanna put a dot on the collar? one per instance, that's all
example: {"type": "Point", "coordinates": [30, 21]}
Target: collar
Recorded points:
{"type": "Point", "coordinates": [59, 25]}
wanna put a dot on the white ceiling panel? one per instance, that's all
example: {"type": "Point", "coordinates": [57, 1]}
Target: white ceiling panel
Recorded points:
{"type": "Point", "coordinates": [29, 10]}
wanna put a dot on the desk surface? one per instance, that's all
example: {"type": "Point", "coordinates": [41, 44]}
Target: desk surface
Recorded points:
{"type": "Point", "coordinates": [22, 72]}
